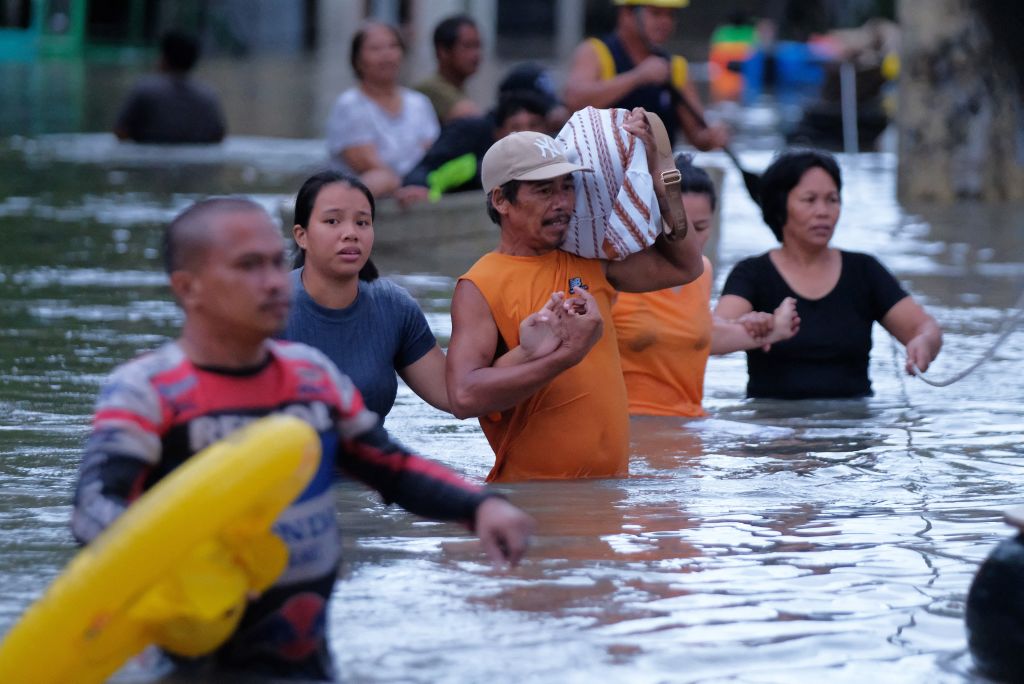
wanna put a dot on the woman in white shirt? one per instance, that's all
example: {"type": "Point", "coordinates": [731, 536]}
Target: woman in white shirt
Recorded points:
{"type": "Point", "coordinates": [379, 130]}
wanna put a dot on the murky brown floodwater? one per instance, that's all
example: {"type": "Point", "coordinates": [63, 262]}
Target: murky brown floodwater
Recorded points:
{"type": "Point", "coordinates": [777, 542]}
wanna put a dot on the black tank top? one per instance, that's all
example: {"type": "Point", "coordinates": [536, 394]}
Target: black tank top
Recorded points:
{"type": "Point", "coordinates": [659, 99]}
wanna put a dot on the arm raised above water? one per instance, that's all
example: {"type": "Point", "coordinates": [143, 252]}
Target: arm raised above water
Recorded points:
{"type": "Point", "coordinates": [426, 488]}
{"type": "Point", "coordinates": [755, 329]}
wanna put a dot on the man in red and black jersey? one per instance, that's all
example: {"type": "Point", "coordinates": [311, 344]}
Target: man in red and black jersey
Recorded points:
{"type": "Point", "coordinates": [227, 267]}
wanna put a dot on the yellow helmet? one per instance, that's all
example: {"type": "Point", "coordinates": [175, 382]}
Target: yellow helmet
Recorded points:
{"type": "Point", "coordinates": [670, 4]}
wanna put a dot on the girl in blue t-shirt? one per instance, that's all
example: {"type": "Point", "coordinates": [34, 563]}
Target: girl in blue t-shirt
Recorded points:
{"type": "Point", "coordinates": [368, 326]}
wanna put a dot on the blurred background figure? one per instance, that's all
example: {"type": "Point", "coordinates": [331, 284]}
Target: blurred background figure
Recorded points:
{"type": "Point", "coordinates": [995, 607]}
{"type": "Point", "coordinates": [533, 77]}
{"type": "Point", "coordinates": [378, 130]}
{"type": "Point", "coordinates": [629, 68]}
{"type": "Point", "coordinates": [169, 106]}
{"type": "Point", "coordinates": [452, 164]}
{"type": "Point", "coordinates": [732, 44]}
{"type": "Point", "coordinates": [871, 50]}
{"type": "Point", "coordinates": [458, 49]}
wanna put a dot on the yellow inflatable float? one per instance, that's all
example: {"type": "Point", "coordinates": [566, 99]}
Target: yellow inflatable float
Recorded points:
{"type": "Point", "coordinates": [176, 568]}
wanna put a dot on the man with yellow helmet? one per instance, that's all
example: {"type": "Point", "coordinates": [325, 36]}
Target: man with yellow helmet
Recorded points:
{"type": "Point", "coordinates": [628, 68]}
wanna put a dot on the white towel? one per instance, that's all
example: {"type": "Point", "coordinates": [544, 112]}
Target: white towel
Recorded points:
{"type": "Point", "coordinates": [616, 211]}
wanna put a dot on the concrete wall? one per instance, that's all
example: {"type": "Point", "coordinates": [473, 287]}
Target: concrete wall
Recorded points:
{"type": "Point", "coordinates": [257, 26]}
{"type": "Point", "coordinates": [961, 120]}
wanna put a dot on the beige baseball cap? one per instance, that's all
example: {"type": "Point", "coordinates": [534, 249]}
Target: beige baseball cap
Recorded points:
{"type": "Point", "coordinates": [526, 156]}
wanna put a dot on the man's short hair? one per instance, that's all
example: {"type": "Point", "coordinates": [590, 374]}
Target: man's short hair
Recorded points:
{"type": "Point", "coordinates": [509, 191]}
{"type": "Point", "coordinates": [179, 50]}
{"type": "Point", "coordinates": [187, 236]}
{"type": "Point", "coordinates": [446, 33]}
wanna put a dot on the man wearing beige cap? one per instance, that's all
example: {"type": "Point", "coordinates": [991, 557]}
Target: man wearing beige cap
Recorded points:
{"type": "Point", "coordinates": [562, 414]}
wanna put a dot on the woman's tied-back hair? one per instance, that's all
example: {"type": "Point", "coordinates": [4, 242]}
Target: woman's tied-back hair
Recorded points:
{"type": "Point", "coordinates": [306, 199]}
{"type": "Point", "coordinates": [694, 179]}
{"type": "Point", "coordinates": [360, 37]}
{"type": "Point", "coordinates": [783, 175]}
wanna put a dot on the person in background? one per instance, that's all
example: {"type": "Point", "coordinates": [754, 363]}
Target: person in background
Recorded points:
{"type": "Point", "coordinates": [458, 48]}
{"type": "Point", "coordinates": [378, 130]}
{"type": "Point", "coordinates": [665, 337]}
{"type": "Point", "coordinates": [839, 294]}
{"type": "Point", "coordinates": [368, 326]}
{"type": "Point", "coordinates": [629, 68]}
{"type": "Point", "coordinates": [226, 261]}
{"type": "Point", "coordinates": [731, 44]}
{"type": "Point", "coordinates": [563, 415]}
{"type": "Point", "coordinates": [532, 77]}
{"type": "Point", "coordinates": [452, 164]}
{"type": "Point", "coordinates": [170, 107]}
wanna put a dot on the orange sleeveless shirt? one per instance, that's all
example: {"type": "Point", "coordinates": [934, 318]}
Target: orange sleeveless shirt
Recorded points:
{"type": "Point", "coordinates": [664, 343]}
{"type": "Point", "coordinates": [577, 425]}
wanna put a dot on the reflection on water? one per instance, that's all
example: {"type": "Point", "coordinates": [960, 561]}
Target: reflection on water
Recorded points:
{"type": "Point", "coordinates": [772, 542]}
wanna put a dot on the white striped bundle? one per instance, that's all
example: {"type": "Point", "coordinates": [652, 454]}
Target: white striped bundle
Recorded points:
{"type": "Point", "coordinates": [617, 211]}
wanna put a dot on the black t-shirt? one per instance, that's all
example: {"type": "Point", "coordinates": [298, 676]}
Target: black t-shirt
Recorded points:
{"type": "Point", "coordinates": [828, 358]}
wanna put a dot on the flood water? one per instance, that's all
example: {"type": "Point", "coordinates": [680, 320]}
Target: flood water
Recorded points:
{"type": "Point", "coordinates": [777, 542]}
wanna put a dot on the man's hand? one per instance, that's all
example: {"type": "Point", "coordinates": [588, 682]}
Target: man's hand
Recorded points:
{"type": "Point", "coordinates": [580, 326]}
{"type": "Point", "coordinates": [716, 136]}
{"type": "Point", "coordinates": [504, 531]}
{"type": "Point", "coordinates": [758, 324]}
{"type": "Point", "coordinates": [652, 70]}
{"type": "Point", "coordinates": [636, 124]}
{"type": "Point", "coordinates": [410, 195]}
{"type": "Point", "coordinates": [769, 328]}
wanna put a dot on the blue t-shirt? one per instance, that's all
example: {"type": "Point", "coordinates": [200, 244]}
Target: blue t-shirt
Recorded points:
{"type": "Point", "coordinates": [381, 332]}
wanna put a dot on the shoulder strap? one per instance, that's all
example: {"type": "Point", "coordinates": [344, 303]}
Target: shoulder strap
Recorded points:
{"type": "Point", "coordinates": [679, 71]}
{"type": "Point", "coordinates": [604, 58]}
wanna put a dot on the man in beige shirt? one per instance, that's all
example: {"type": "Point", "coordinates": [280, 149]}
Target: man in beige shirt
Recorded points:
{"type": "Point", "coordinates": [458, 48]}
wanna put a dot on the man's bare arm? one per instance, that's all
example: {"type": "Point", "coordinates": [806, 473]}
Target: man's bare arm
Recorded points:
{"type": "Point", "coordinates": [475, 386]}
{"type": "Point", "coordinates": [584, 86]}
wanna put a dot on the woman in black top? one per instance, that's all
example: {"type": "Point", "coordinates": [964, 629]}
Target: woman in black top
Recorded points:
{"type": "Point", "coordinates": [839, 294]}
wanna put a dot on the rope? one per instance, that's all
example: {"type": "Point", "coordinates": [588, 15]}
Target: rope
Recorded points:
{"type": "Point", "coordinates": [1009, 325]}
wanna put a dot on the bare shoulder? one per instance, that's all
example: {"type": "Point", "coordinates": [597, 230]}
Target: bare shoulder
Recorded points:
{"type": "Point", "coordinates": [474, 339]}
{"type": "Point", "coordinates": [469, 306]}
{"type": "Point", "coordinates": [584, 58]}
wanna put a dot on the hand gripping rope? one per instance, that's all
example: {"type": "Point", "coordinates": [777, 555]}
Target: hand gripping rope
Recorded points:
{"type": "Point", "coordinates": [1009, 325]}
